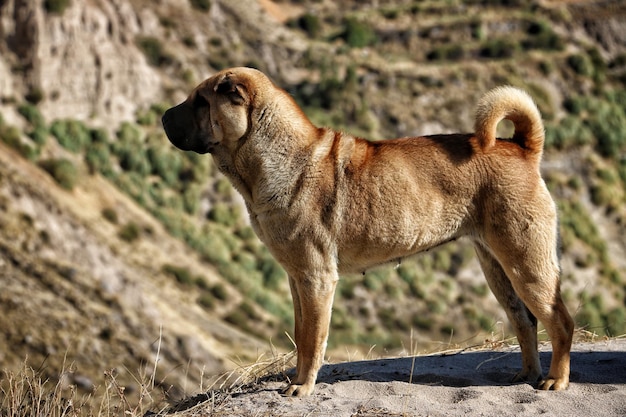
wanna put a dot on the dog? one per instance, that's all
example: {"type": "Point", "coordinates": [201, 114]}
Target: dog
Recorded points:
{"type": "Point", "coordinates": [327, 203]}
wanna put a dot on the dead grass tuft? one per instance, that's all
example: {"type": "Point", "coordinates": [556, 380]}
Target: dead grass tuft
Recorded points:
{"type": "Point", "coordinates": [27, 392]}
{"type": "Point", "coordinates": [243, 379]}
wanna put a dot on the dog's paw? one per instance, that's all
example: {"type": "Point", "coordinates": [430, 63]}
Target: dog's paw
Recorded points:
{"type": "Point", "coordinates": [554, 384]}
{"type": "Point", "coordinates": [295, 390]}
{"type": "Point", "coordinates": [531, 376]}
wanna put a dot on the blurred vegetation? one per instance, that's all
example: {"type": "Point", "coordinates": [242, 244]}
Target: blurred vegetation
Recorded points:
{"type": "Point", "coordinates": [56, 6]}
{"type": "Point", "coordinates": [62, 170]}
{"type": "Point", "coordinates": [154, 51]}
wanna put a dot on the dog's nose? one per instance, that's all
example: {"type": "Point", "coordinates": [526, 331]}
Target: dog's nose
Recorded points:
{"type": "Point", "coordinates": [177, 124]}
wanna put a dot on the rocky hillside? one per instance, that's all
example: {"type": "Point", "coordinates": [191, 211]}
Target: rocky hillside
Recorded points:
{"type": "Point", "coordinates": [116, 249]}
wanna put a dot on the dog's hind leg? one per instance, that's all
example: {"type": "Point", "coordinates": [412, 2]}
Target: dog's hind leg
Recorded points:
{"type": "Point", "coordinates": [527, 253]}
{"type": "Point", "coordinates": [541, 293]}
{"type": "Point", "coordinates": [523, 321]}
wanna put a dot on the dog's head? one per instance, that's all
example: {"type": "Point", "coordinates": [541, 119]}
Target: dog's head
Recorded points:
{"type": "Point", "coordinates": [217, 113]}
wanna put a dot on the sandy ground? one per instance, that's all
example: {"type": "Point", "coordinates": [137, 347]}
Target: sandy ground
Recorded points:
{"type": "Point", "coordinates": [473, 383]}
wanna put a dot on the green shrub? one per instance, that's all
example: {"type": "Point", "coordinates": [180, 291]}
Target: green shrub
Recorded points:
{"type": "Point", "coordinates": [273, 274]}
{"type": "Point", "coordinates": [206, 301]}
{"type": "Point", "coordinates": [62, 170]}
{"type": "Point", "coordinates": [153, 50]}
{"type": "Point", "coordinates": [477, 29]}
{"type": "Point", "coordinates": [357, 33]}
{"type": "Point", "coordinates": [165, 164]}
{"type": "Point", "coordinates": [133, 185]}
{"type": "Point", "coordinates": [485, 323]}
{"type": "Point", "coordinates": [407, 272]}
{"type": "Point", "coordinates": [128, 133]}
{"type": "Point", "coordinates": [73, 135]}
{"type": "Point", "coordinates": [223, 213]}
{"type": "Point", "coordinates": [246, 233]}
{"type": "Point", "coordinates": [32, 114]}
{"type": "Point", "coordinates": [541, 36]}
{"type": "Point", "coordinates": [250, 311]}
{"type": "Point", "coordinates": [446, 53]}
{"type": "Point", "coordinates": [602, 195]}
{"type": "Point", "coordinates": [219, 291]}
{"type": "Point", "coordinates": [222, 186]}
{"type": "Point", "coordinates": [447, 329]}
{"type": "Point", "coordinates": [575, 105]}
{"type": "Point", "coordinates": [581, 64]}
{"type": "Point", "coordinates": [246, 260]}
{"type": "Point", "coordinates": [130, 150]}
{"type": "Point", "coordinates": [212, 247]}
{"type": "Point", "coordinates": [202, 5]}
{"type": "Point", "coordinates": [201, 283]}
{"type": "Point", "coordinates": [609, 127]}
{"type": "Point", "coordinates": [616, 322]}
{"type": "Point", "coordinates": [345, 288]}
{"type": "Point", "coordinates": [422, 321]}
{"type": "Point", "coordinates": [239, 319]}
{"type": "Point", "coordinates": [597, 61]}
{"type": "Point", "coordinates": [599, 121]}
{"type": "Point", "coordinates": [191, 199]}
{"type": "Point", "coordinates": [98, 159]}
{"type": "Point", "coordinates": [437, 306]}
{"type": "Point", "coordinates": [546, 67]}
{"type": "Point", "coordinates": [323, 96]}
{"type": "Point", "coordinates": [499, 48]}
{"type": "Point", "coordinates": [39, 135]}
{"type": "Point", "coordinates": [12, 136]}
{"type": "Point", "coordinates": [99, 136]}
{"type": "Point", "coordinates": [110, 215]}
{"type": "Point", "coordinates": [481, 290]}
{"type": "Point", "coordinates": [157, 192]}
{"type": "Point", "coordinates": [590, 318]}
{"type": "Point", "coordinates": [309, 23]}
{"type": "Point", "coordinates": [570, 132]}
{"type": "Point", "coordinates": [341, 320]}
{"type": "Point", "coordinates": [442, 260]}
{"type": "Point", "coordinates": [34, 95]}
{"type": "Point", "coordinates": [132, 157]}
{"type": "Point", "coordinates": [575, 220]}
{"type": "Point", "coordinates": [182, 275]}
{"type": "Point", "coordinates": [147, 118]}
{"type": "Point", "coordinates": [130, 232]}
{"type": "Point", "coordinates": [56, 6]}
{"type": "Point", "coordinates": [393, 290]}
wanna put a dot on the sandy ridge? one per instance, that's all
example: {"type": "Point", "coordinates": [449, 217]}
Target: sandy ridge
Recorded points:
{"type": "Point", "coordinates": [475, 383]}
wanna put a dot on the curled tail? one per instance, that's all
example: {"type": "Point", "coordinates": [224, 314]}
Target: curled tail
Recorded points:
{"type": "Point", "coordinates": [517, 106]}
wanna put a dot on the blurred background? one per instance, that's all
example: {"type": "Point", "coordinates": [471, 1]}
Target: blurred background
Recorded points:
{"type": "Point", "coordinates": [121, 254]}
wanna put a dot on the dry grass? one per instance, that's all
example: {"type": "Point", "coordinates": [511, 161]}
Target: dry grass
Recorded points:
{"type": "Point", "coordinates": [243, 379]}
{"type": "Point", "coordinates": [28, 393]}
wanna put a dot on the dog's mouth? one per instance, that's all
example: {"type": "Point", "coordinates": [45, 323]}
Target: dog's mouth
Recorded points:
{"type": "Point", "coordinates": [176, 126]}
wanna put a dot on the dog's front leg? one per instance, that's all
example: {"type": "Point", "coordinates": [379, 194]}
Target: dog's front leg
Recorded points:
{"type": "Point", "coordinates": [297, 315]}
{"type": "Point", "coordinates": [312, 300]}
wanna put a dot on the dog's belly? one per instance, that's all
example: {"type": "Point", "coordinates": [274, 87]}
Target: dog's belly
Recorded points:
{"type": "Point", "coordinates": [359, 255]}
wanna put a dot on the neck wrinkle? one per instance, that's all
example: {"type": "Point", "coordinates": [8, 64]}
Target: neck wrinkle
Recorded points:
{"type": "Point", "coordinates": [274, 156]}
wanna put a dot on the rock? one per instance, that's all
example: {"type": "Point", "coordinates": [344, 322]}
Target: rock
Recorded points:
{"type": "Point", "coordinates": [83, 63]}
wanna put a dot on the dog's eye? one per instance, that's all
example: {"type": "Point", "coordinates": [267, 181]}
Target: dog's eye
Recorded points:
{"type": "Point", "coordinates": [200, 101]}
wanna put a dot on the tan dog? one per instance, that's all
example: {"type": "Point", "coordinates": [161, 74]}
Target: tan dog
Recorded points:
{"type": "Point", "coordinates": [326, 203]}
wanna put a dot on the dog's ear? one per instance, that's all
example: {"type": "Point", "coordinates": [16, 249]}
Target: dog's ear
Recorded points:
{"type": "Point", "coordinates": [231, 89]}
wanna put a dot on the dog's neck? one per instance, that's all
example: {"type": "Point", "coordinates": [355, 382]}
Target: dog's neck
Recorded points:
{"type": "Point", "coordinates": [274, 154]}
